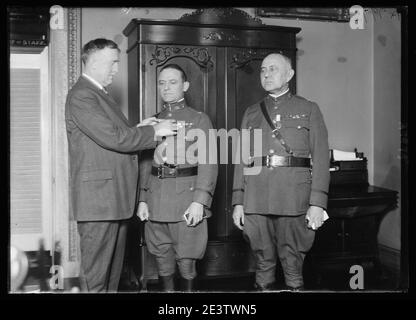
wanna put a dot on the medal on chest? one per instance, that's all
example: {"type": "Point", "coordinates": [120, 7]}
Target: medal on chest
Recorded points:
{"type": "Point", "coordinates": [277, 121]}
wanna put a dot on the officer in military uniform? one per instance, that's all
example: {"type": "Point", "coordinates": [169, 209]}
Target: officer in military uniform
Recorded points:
{"type": "Point", "coordinates": [280, 208]}
{"type": "Point", "coordinates": [175, 190]}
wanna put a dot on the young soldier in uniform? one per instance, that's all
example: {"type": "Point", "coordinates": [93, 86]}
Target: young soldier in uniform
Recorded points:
{"type": "Point", "coordinates": [175, 195]}
{"type": "Point", "coordinates": [279, 208]}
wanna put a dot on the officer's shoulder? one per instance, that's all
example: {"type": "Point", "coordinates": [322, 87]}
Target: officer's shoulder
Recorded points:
{"type": "Point", "coordinates": [303, 102]}
{"type": "Point", "coordinates": [197, 114]}
{"type": "Point", "coordinates": [299, 99]}
{"type": "Point", "coordinates": [254, 108]}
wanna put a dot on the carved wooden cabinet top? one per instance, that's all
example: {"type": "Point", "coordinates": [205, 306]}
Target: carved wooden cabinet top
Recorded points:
{"type": "Point", "coordinates": [211, 27]}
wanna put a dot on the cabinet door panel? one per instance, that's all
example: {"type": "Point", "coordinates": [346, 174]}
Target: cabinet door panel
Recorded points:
{"type": "Point", "coordinates": [328, 238]}
{"type": "Point", "coordinates": [243, 81]}
{"type": "Point", "coordinates": [361, 234]}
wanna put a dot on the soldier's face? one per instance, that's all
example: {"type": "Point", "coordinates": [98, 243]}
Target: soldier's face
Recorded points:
{"type": "Point", "coordinates": [104, 65]}
{"type": "Point", "coordinates": [171, 85]}
{"type": "Point", "coordinates": [275, 73]}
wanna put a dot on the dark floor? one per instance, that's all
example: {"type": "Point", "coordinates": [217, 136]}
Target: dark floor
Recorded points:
{"type": "Point", "coordinates": [331, 280]}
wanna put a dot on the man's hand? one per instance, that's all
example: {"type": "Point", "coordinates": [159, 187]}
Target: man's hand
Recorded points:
{"type": "Point", "coordinates": [143, 211]}
{"type": "Point", "coordinates": [315, 217]}
{"type": "Point", "coordinates": [194, 214]}
{"type": "Point", "coordinates": [148, 122]}
{"type": "Point", "coordinates": [238, 216]}
{"type": "Point", "coordinates": [166, 128]}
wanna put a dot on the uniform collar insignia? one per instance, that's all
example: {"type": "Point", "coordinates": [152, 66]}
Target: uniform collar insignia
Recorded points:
{"type": "Point", "coordinates": [281, 98]}
{"type": "Point", "coordinates": [173, 106]}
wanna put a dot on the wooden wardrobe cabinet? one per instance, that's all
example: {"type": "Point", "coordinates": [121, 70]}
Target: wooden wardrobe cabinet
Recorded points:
{"type": "Point", "coordinates": [221, 52]}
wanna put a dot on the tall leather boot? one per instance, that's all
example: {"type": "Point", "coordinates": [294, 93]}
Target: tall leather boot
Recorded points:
{"type": "Point", "coordinates": [266, 287]}
{"type": "Point", "coordinates": [167, 283]}
{"type": "Point", "coordinates": [187, 285]}
{"type": "Point", "coordinates": [295, 289]}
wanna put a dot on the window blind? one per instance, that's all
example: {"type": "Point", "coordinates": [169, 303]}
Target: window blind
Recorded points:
{"type": "Point", "coordinates": [25, 151]}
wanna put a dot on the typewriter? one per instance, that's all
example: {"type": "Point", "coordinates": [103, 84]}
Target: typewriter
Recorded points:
{"type": "Point", "coordinates": [348, 170]}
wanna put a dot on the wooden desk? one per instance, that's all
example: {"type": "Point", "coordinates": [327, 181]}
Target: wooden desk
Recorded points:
{"type": "Point", "coordinates": [350, 235]}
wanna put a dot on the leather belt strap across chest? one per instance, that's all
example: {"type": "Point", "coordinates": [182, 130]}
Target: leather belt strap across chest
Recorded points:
{"type": "Point", "coordinates": [163, 172]}
{"type": "Point", "coordinates": [275, 131]}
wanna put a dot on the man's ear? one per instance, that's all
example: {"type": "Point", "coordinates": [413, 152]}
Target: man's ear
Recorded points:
{"type": "Point", "coordinates": [185, 86]}
{"type": "Point", "coordinates": [290, 75]}
{"type": "Point", "coordinates": [92, 63]}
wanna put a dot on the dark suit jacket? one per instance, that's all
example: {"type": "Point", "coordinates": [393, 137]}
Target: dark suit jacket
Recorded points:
{"type": "Point", "coordinates": [103, 166]}
{"type": "Point", "coordinates": [286, 190]}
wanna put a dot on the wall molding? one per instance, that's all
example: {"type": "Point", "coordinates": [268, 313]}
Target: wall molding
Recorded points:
{"type": "Point", "coordinates": [64, 70]}
{"type": "Point", "coordinates": [74, 71]}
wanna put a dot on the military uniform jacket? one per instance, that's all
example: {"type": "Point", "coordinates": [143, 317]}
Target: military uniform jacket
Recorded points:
{"type": "Point", "coordinates": [286, 190]}
{"type": "Point", "coordinates": [169, 198]}
{"type": "Point", "coordinates": [103, 168]}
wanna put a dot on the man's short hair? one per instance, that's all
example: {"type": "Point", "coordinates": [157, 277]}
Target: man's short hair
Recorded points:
{"type": "Point", "coordinates": [95, 45]}
{"type": "Point", "coordinates": [176, 67]}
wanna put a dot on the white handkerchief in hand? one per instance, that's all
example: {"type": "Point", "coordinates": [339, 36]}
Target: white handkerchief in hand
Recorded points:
{"type": "Point", "coordinates": [313, 226]}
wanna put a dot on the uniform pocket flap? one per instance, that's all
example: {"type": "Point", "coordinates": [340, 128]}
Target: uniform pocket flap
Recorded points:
{"type": "Point", "coordinates": [97, 175]}
{"type": "Point", "coordinates": [297, 123]}
{"type": "Point", "coordinates": [183, 184]}
{"type": "Point", "coordinates": [303, 177]}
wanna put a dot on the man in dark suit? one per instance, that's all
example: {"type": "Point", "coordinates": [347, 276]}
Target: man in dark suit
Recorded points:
{"type": "Point", "coordinates": [279, 208]}
{"type": "Point", "coordinates": [103, 166]}
{"type": "Point", "coordinates": [176, 189]}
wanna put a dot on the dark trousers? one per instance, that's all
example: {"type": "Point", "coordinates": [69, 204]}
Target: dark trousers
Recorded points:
{"type": "Point", "coordinates": [102, 252]}
{"type": "Point", "coordinates": [273, 236]}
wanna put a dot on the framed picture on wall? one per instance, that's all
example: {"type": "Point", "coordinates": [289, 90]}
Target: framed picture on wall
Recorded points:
{"type": "Point", "coordinates": [325, 14]}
